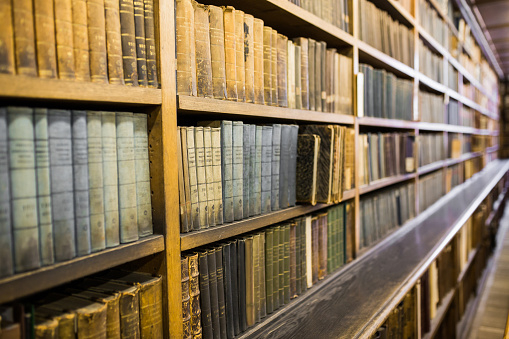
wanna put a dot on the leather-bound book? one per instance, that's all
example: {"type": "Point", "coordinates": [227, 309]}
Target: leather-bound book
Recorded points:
{"type": "Point", "coordinates": [215, 136]}
{"type": "Point", "coordinates": [246, 169]}
{"type": "Point", "coordinates": [202, 49]}
{"type": "Point", "coordinates": [65, 323]}
{"type": "Point", "coordinates": [315, 248]}
{"type": "Point", "coordinates": [193, 179]}
{"type": "Point", "coordinates": [184, 224]}
{"type": "Point", "coordinates": [44, 16]}
{"type": "Point", "coordinates": [276, 162]}
{"type": "Point", "coordinates": [297, 77]}
{"type": "Point", "coordinates": [318, 76]}
{"type": "Point", "coordinates": [238, 169]}
{"type": "Point", "coordinates": [267, 65]}
{"type": "Point", "coordinates": [286, 264]}
{"type": "Point", "coordinates": [230, 53]}
{"type": "Point", "coordinates": [80, 40]}
{"type": "Point", "coordinates": [303, 255]}
{"type": "Point", "coordinates": [114, 42]}
{"type": "Point", "coordinates": [281, 259]}
{"type": "Point", "coordinates": [292, 167]}
{"type": "Point", "coordinates": [217, 52]}
{"type": "Point", "coordinates": [282, 76]}
{"type": "Point", "coordinates": [284, 167]}
{"type": "Point", "coordinates": [256, 276]}
{"type": "Point", "coordinates": [269, 236]}
{"type": "Point", "coordinates": [242, 282]}
{"type": "Point", "coordinates": [249, 61]}
{"type": "Point", "coordinates": [45, 328]}
{"type": "Point", "coordinates": [261, 270]}
{"type": "Point", "coordinates": [266, 169]}
{"type": "Point", "coordinates": [290, 71]}
{"type": "Point", "coordinates": [293, 260]}
{"type": "Point", "coordinates": [274, 67]}
{"type": "Point", "coordinates": [298, 258]}
{"type": "Point", "coordinates": [308, 148]}
{"type": "Point", "coordinates": [97, 41]}
{"type": "Point", "coordinates": [322, 246]}
{"type": "Point", "coordinates": [311, 73]}
{"type": "Point", "coordinates": [213, 288]}
{"type": "Point", "coordinates": [239, 55]}
{"type": "Point", "coordinates": [331, 239]}
{"type": "Point", "coordinates": [221, 283]}
{"type": "Point", "coordinates": [186, 298]}
{"type": "Point", "coordinates": [185, 45]}
{"type": "Point", "coordinates": [141, 51]}
{"type": "Point", "coordinates": [6, 265]}
{"type": "Point", "coordinates": [235, 285]}
{"type": "Point", "coordinates": [24, 37]}
{"type": "Point", "coordinates": [250, 287]}
{"type": "Point", "coordinates": [6, 38]}
{"type": "Point", "coordinates": [206, 312]}
{"type": "Point", "coordinates": [275, 268]}
{"type": "Point", "coordinates": [150, 43]}
{"type": "Point", "coordinates": [194, 292]}
{"type": "Point", "coordinates": [303, 43]}
{"type": "Point", "coordinates": [258, 36]}
{"type": "Point", "coordinates": [209, 176]}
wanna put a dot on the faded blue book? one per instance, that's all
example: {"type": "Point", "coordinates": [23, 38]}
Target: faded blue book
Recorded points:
{"type": "Point", "coordinates": [6, 264]}
{"type": "Point", "coordinates": [238, 170]}
{"type": "Point", "coordinates": [266, 170]}
{"type": "Point", "coordinates": [246, 169]}
{"type": "Point", "coordinates": [252, 169]}
{"type": "Point", "coordinates": [284, 167]}
{"type": "Point", "coordinates": [276, 159]}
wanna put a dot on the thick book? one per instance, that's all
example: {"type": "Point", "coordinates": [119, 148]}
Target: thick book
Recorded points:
{"type": "Point", "coordinates": [276, 162]}
{"type": "Point", "coordinates": [235, 285]}
{"type": "Point", "coordinates": [292, 168]}
{"type": "Point", "coordinates": [202, 50]}
{"type": "Point", "coordinates": [221, 290]}
{"type": "Point", "coordinates": [250, 283]}
{"type": "Point", "coordinates": [139, 35]}
{"type": "Point", "coordinates": [81, 187]}
{"type": "Point", "coordinates": [259, 95]}
{"type": "Point", "coordinates": [274, 66]}
{"type": "Point", "coordinates": [185, 46]}
{"type": "Point", "coordinates": [209, 176]}
{"type": "Point", "coordinates": [266, 169]}
{"type": "Point", "coordinates": [114, 42]}
{"type": "Point", "coordinates": [201, 178]}
{"type": "Point", "coordinates": [239, 55]}
{"type": "Point", "coordinates": [304, 71]}
{"type": "Point", "coordinates": [269, 236]}
{"type": "Point", "coordinates": [246, 169]}
{"type": "Point", "coordinates": [194, 292]}
{"type": "Point", "coordinates": [62, 190]}
{"type": "Point", "coordinates": [206, 312]}
{"type": "Point", "coordinates": [213, 288]}
{"type": "Point", "coordinates": [241, 275]}
{"type": "Point", "coordinates": [6, 265]}
{"type": "Point", "coordinates": [44, 20]}
{"type": "Point", "coordinates": [217, 52]}
{"type": "Point", "coordinates": [64, 39]}
{"type": "Point", "coordinates": [252, 168]}
{"type": "Point", "coordinates": [267, 65]}
{"type": "Point", "coordinates": [97, 41]}
{"type": "Point", "coordinates": [216, 175]}
{"type": "Point", "coordinates": [257, 181]}
{"type": "Point", "coordinates": [238, 169]}
{"type": "Point", "coordinates": [249, 61]}
{"type": "Point", "coordinates": [24, 37]}
{"type": "Point", "coordinates": [80, 40]}
{"type": "Point", "coordinates": [282, 76]}
{"type": "Point", "coordinates": [261, 272]}
{"type": "Point", "coordinates": [284, 167]}
{"type": "Point", "coordinates": [110, 177]}
{"type": "Point", "coordinates": [308, 150]}
{"type": "Point", "coordinates": [230, 53]}
{"type": "Point", "coordinates": [290, 73]}
{"type": "Point", "coordinates": [311, 73]}
{"type": "Point", "coordinates": [150, 44]}
{"type": "Point", "coordinates": [6, 38]}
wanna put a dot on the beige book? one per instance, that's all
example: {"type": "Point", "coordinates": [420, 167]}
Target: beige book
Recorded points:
{"type": "Point", "coordinates": [249, 57]}
{"type": "Point", "coordinates": [258, 62]}
{"type": "Point", "coordinates": [239, 55]}
{"type": "Point", "coordinates": [290, 71]}
{"type": "Point", "coordinates": [274, 73]}
{"type": "Point", "coordinates": [186, 55]}
{"type": "Point", "coordinates": [267, 65]}
{"type": "Point", "coordinates": [202, 50]}
{"type": "Point", "coordinates": [217, 50]}
{"type": "Point", "coordinates": [230, 56]}
{"type": "Point", "coordinates": [209, 175]}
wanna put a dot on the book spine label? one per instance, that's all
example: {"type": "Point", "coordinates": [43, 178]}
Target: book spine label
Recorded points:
{"type": "Point", "coordinates": [282, 76]}
{"type": "Point", "coordinates": [201, 178]}
{"type": "Point", "coordinates": [97, 41]}
{"type": "Point", "coordinates": [257, 184]}
{"type": "Point", "coordinates": [193, 178]}
{"type": "Point", "coordinates": [239, 55]}
{"type": "Point", "coordinates": [269, 235]}
{"type": "Point", "coordinates": [246, 168]}
{"type": "Point", "coordinates": [206, 313]}
{"type": "Point", "coordinates": [266, 169]}
{"type": "Point", "coordinates": [258, 62]}
{"type": "Point", "coordinates": [114, 42]}
{"type": "Point", "coordinates": [127, 33]}
{"type": "Point", "coordinates": [209, 176]}
{"type": "Point", "coordinates": [203, 57]}
{"type": "Point", "coordinates": [252, 168]}
{"type": "Point", "coordinates": [276, 158]}
{"type": "Point", "coordinates": [216, 174]}
{"type": "Point", "coordinates": [249, 57]}
{"type": "Point", "coordinates": [80, 174]}
{"type": "Point", "coordinates": [24, 37]}
{"type": "Point", "coordinates": [139, 34]}
{"type": "Point", "coordinates": [6, 265]}
{"type": "Point", "coordinates": [230, 54]}
{"type": "Point", "coordinates": [141, 162]}
{"type": "Point", "coordinates": [274, 69]}
{"type": "Point", "coordinates": [227, 168]}
{"type": "Point", "coordinates": [80, 40]}
{"type": "Point", "coordinates": [6, 38]}
{"type": "Point", "coordinates": [217, 52]}
{"type": "Point", "coordinates": [238, 171]}
{"type": "Point", "coordinates": [150, 44]}
{"type": "Point", "coordinates": [43, 186]}
{"type": "Point", "coordinates": [62, 195]}
{"type": "Point", "coordinates": [110, 177]}
{"type": "Point", "coordinates": [95, 181]}
{"type": "Point", "coordinates": [126, 178]}
{"type": "Point", "coordinates": [186, 57]}
{"type": "Point", "coordinates": [64, 39]}
{"type": "Point", "coordinates": [45, 38]}
{"type": "Point", "coordinates": [267, 65]}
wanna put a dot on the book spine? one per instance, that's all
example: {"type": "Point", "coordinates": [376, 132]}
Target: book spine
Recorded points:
{"type": "Point", "coordinates": [42, 164]}
{"type": "Point", "coordinates": [269, 235]}
{"type": "Point", "coordinates": [185, 45]}
{"type": "Point", "coordinates": [139, 34]}
{"type": "Point", "coordinates": [142, 170]}
{"type": "Point", "coordinates": [217, 52]}
{"type": "Point", "coordinates": [256, 277]}
{"type": "Point", "coordinates": [274, 69]}
{"type": "Point", "coordinates": [250, 283]}
{"type": "Point", "coordinates": [6, 265]}
{"type": "Point", "coordinates": [202, 49]}
{"type": "Point", "coordinates": [298, 258]}
{"type": "Point", "coordinates": [246, 168]}
{"type": "Point", "coordinates": [201, 178]}
{"type": "Point", "coordinates": [114, 42]}
{"type": "Point", "coordinates": [239, 55]}
{"type": "Point", "coordinates": [276, 159]}
{"type": "Point", "coordinates": [151, 309]}
{"type": "Point", "coordinates": [252, 168]}
{"type": "Point", "coordinates": [282, 76]}
{"type": "Point", "coordinates": [24, 41]}
{"type": "Point", "coordinates": [293, 260]}
{"type": "Point", "coordinates": [150, 44]}
{"type": "Point", "coordinates": [91, 322]}
{"type": "Point", "coordinates": [129, 306]}
{"type": "Point", "coordinates": [80, 40]}
{"type": "Point", "coordinates": [193, 178]}
{"type": "Point", "coordinates": [184, 224]}
{"type": "Point", "coordinates": [258, 62]}
{"type": "Point", "coordinates": [237, 169]}
{"type": "Point", "coordinates": [45, 38]}
{"type": "Point", "coordinates": [303, 258]}
{"type": "Point", "coordinates": [275, 268]}
{"type": "Point", "coordinates": [261, 269]}
{"type": "Point", "coordinates": [81, 187]}
{"type": "Point", "coordinates": [284, 166]}
{"type": "Point", "coordinates": [292, 167]}
{"type": "Point", "coordinates": [311, 73]}
{"type": "Point", "coordinates": [286, 263]}
{"type": "Point", "coordinates": [297, 77]}
{"type": "Point", "coordinates": [110, 177]}
{"type": "Point", "coordinates": [213, 288]}
{"type": "Point", "coordinates": [97, 41]}
{"type": "Point", "coordinates": [217, 178]}
{"type": "Point", "coordinates": [230, 53]}
{"type": "Point", "coordinates": [209, 176]}
{"type": "Point", "coordinates": [318, 76]}
{"type": "Point", "coordinates": [187, 183]}
{"type": "Point", "coordinates": [127, 194]}
{"type": "Point", "coordinates": [46, 329]}
{"type": "Point", "coordinates": [64, 39]}
{"type": "Point", "coordinates": [309, 252]}
{"type": "Point", "coordinates": [227, 169]}
{"type": "Point", "coordinates": [258, 171]}
{"type": "Point", "coordinates": [315, 243]}
{"type": "Point", "coordinates": [281, 263]}
{"type": "Point", "coordinates": [235, 287]}
{"type": "Point", "coordinates": [249, 57]}
{"type": "Point", "coordinates": [267, 65]}
{"type": "Point", "coordinates": [322, 246]}
{"type": "Point", "coordinates": [266, 169]}
{"type": "Point", "coordinates": [96, 181]}
{"type": "Point", "coordinates": [194, 292]}
{"type": "Point", "coordinates": [6, 38]}
{"type": "Point", "coordinates": [221, 291]}
{"type": "Point", "coordinates": [206, 313]}
{"type": "Point", "coordinates": [290, 71]}
{"type": "Point", "coordinates": [228, 290]}
{"type": "Point", "coordinates": [304, 72]}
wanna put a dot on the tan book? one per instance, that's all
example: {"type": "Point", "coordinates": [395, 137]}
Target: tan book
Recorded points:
{"type": "Point", "coordinates": [304, 71]}
{"type": "Point", "coordinates": [290, 71]}
{"type": "Point", "coordinates": [216, 27]}
{"type": "Point", "coordinates": [186, 57]}
{"type": "Point", "coordinates": [267, 65]}
{"type": "Point", "coordinates": [80, 40]}
{"type": "Point", "coordinates": [65, 323]}
{"type": "Point", "coordinates": [297, 76]}
{"type": "Point", "coordinates": [274, 73]}
{"type": "Point", "coordinates": [97, 41]}
{"type": "Point", "coordinates": [230, 56]}
{"type": "Point", "coordinates": [24, 41]}
{"type": "Point", "coordinates": [6, 38]}
{"type": "Point", "coordinates": [239, 55]}
{"type": "Point", "coordinates": [282, 77]}
{"type": "Point", "coordinates": [64, 39]}
{"type": "Point", "coordinates": [249, 57]}
{"type": "Point", "coordinates": [45, 38]}
{"type": "Point", "coordinates": [202, 49]}
{"type": "Point", "coordinates": [187, 184]}
{"type": "Point", "coordinates": [348, 172]}
{"type": "Point", "coordinates": [186, 306]}
{"type": "Point", "coordinates": [114, 42]}
{"type": "Point", "coordinates": [258, 62]}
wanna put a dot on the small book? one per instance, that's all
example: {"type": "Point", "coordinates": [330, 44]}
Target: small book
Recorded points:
{"type": "Point", "coordinates": [185, 46]}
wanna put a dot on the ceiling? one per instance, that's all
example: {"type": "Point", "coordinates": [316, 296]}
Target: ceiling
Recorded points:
{"type": "Point", "coordinates": [493, 17]}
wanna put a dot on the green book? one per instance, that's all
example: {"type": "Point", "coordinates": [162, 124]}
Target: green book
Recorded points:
{"type": "Point", "coordinates": [275, 268]}
{"type": "Point", "coordinates": [263, 299]}
{"type": "Point", "coordinates": [286, 256]}
{"type": "Point", "coordinates": [330, 240]}
{"type": "Point", "coordinates": [281, 261]}
{"type": "Point", "coordinates": [269, 235]}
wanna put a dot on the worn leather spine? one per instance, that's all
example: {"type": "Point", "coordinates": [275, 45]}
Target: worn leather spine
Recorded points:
{"type": "Point", "coordinates": [127, 31]}
{"type": "Point", "coordinates": [258, 62]}
{"type": "Point", "coordinates": [281, 70]}
{"type": "Point", "coordinates": [274, 73]}
{"type": "Point", "coordinates": [141, 51]}
{"type": "Point", "coordinates": [230, 53]}
{"type": "Point", "coordinates": [217, 52]}
{"type": "Point", "coordinates": [203, 57]}
{"type": "Point", "coordinates": [24, 37]}
{"type": "Point", "coordinates": [239, 55]}
{"type": "Point", "coordinates": [64, 39]}
{"type": "Point", "coordinates": [6, 38]}
{"type": "Point", "coordinates": [267, 65]}
{"type": "Point", "coordinates": [80, 40]}
{"type": "Point", "coordinates": [45, 38]}
{"type": "Point", "coordinates": [150, 44]}
{"type": "Point", "coordinates": [114, 42]}
{"type": "Point", "coordinates": [249, 57]}
{"type": "Point", "coordinates": [97, 41]}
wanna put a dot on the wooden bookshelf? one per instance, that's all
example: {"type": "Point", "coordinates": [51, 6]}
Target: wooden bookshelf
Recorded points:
{"type": "Point", "coordinates": [382, 183]}
{"type": "Point", "coordinates": [390, 123]}
{"type": "Point", "coordinates": [431, 167]}
{"type": "Point", "coordinates": [440, 314]}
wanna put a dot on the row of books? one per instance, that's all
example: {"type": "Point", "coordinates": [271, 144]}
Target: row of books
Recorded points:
{"type": "Point", "coordinates": [431, 107]}
{"type": "Point", "coordinates": [430, 64]}
{"type": "Point", "coordinates": [100, 41]}
{"type": "Point", "coordinates": [453, 177]}
{"type": "Point", "coordinates": [231, 286]}
{"type": "Point", "coordinates": [431, 188]}
{"type": "Point", "coordinates": [473, 166]}
{"type": "Point", "coordinates": [453, 113]}
{"type": "Point", "coordinates": [385, 95]}
{"type": "Point", "coordinates": [73, 182]}
{"type": "Point", "coordinates": [402, 320]}
{"type": "Point", "coordinates": [433, 24]}
{"type": "Point", "coordinates": [111, 304]}
{"type": "Point", "coordinates": [431, 148]}
{"type": "Point", "coordinates": [224, 53]}
{"type": "Point", "coordinates": [383, 211]}
{"type": "Point", "coordinates": [452, 77]}
{"type": "Point", "coordinates": [385, 155]}
{"type": "Point", "coordinates": [379, 30]}
{"type": "Point", "coordinates": [336, 12]}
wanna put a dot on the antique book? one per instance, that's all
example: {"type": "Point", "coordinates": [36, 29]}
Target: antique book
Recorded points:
{"type": "Point", "coordinates": [6, 39]}
{"type": "Point", "coordinates": [216, 175]}
{"type": "Point", "coordinates": [185, 46]}
{"type": "Point", "coordinates": [217, 52]}
{"type": "Point", "coordinates": [259, 61]}
{"type": "Point", "coordinates": [194, 292]}
{"type": "Point", "coordinates": [266, 169]}
{"type": "Point", "coordinates": [308, 150]}
{"type": "Point", "coordinates": [298, 256]}
{"type": "Point", "coordinates": [213, 288]}
{"type": "Point", "coordinates": [250, 283]}
{"type": "Point", "coordinates": [276, 302]}
{"type": "Point", "coordinates": [292, 172]}
{"type": "Point", "coordinates": [221, 290]}
{"type": "Point", "coordinates": [228, 293]}
{"type": "Point", "coordinates": [62, 190]}
{"type": "Point", "coordinates": [44, 21]}
{"type": "Point", "coordinates": [282, 76]}
{"type": "Point", "coordinates": [238, 170]}
{"type": "Point", "coordinates": [267, 65]}
{"type": "Point", "coordinates": [249, 57]}
{"type": "Point", "coordinates": [256, 277]}
{"type": "Point", "coordinates": [51, 323]}
{"type": "Point", "coordinates": [64, 39]}
{"type": "Point", "coordinates": [246, 169]}
{"type": "Point", "coordinates": [150, 44]}
{"type": "Point", "coordinates": [297, 77]}
{"type": "Point", "coordinates": [257, 179]}
{"type": "Point", "coordinates": [239, 55]}
{"type": "Point", "coordinates": [81, 187]}
{"type": "Point", "coordinates": [202, 49]}
{"type": "Point", "coordinates": [235, 285]}
{"type": "Point", "coordinates": [276, 159]}
{"type": "Point", "coordinates": [186, 298]}
{"type": "Point", "coordinates": [24, 37]}
{"type": "Point", "coordinates": [281, 269]}
{"type": "Point", "coordinates": [322, 246]}
{"type": "Point", "coordinates": [315, 249]}
{"type": "Point", "coordinates": [241, 275]}
{"type": "Point", "coordinates": [286, 264]}
{"type": "Point", "coordinates": [303, 43]}
{"type": "Point", "coordinates": [269, 236]}
{"type": "Point", "coordinates": [6, 249]}
{"type": "Point", "coordinates": [206, 312]}
{"type": "Point", "coordinates": [303, 254]}
{"type": "Point", "coordinates": [274, 68]}
{"type": "Point", "coordinates": [141, 161]}
{"type": "Point", "coordinates": [127, 193]}
{"type": "Point", "coordinates": [252, 169]}
{"type": "Point", "coordinates": [290, 71]}
{"type": "Point", "coordinates": [309, 251]}
{"type": "Point", "coordinates": [284, 168]}
{"type": "Point", "coordinates": [97, 41]}
{"type": "Point", "coordinates": [203, 220]}
{"type": "Point", "coordinates": [110, 176]}
{"type": "Point", "coordinates": [261, 272]}
{"type": "Point", "coordinates": [187, 184]}
{"type": "Point", "coordinates": [293, 260]}
{"type": "Point", "coordinates": [209, 176]}
{"type": "Point", "coordinates": [114, 42]}
{"type": "Point", "coordinates": [311, 73]}
{"type": "Point", "coordinates": [139, 35]}
{"type": "Point", "coordinates": [230, 53]}
{"type": "Point", "coordinates": [318, 75]}
{"type": "Point", "coordinates": [80, 40]}
{"type": "Point", "coordinates": [193, 179]}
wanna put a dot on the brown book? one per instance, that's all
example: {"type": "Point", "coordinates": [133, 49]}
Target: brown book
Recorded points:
{"type": "Point", "coordinates": [322, 246]}
{"type": "Point", "coordinates": [230, 53]}
{"type": "Point", "coordinates": [97, 40]}
{"type": "Point", "coordinates": [45, 38]}
{"type": "Point", "coordinates": [315, 251]}
{"type": "Point", "coordinates": [349, 170]}
{"type": "Point", "coordinates": [194, 292]}
{"type": "Point", "coordinates": [24, 41]}
{"type": "Point", "coordinates": [250, 287]}
{"type": "Point", "coordinates": [239, 55]}
{"type": "Point", "coordinates": [258, 62]}
{"type": "Point", "coordinates": [274, 73]}
{"type": "Point", "coordinates": [150, 42]}
{"type": "Point", "coordinates": [64, 35]}
{"type": "Point", "coordinates": [65, 323]}
{"type": "Point", "coordinates": [281, 70]}
{"type": "Point", "coordinates": [263, 299]}
{"type": "Point", "coordinates": [186, 57]}
{"type": "Point", "coordinates": [308, 150]}
{"type": "Point", "coordinates": [304, 71]}
{"type": "Point", "coordinates": [80, 40]}
{"type": "Point", "coordinates": [187, 182]}
{"type": "Point", "coordinates": [249, 57]}
{"type": "Point", "coordinates": [216, 27]}
{"type": "Point", "coordinates": [335, 166]}
{"type": "Point", "coordinates": [45, 328]}
{"type": "Point", "coordinates": [203, 59]}
{"type": "Point", "coordinates": [6, 38]}
{"type": "Point", "coordinates": [186, 299]}
{"type": "Point", "coordinates": [114, 42]}
{"type": "Point", "coordinates": [139, 34]}
{"type": "Point", "coordinates": [267, 65]}
{"type": "Point", "coordinates": [297, 76]}
{"type": "Point", "coordinates": [275, 268]}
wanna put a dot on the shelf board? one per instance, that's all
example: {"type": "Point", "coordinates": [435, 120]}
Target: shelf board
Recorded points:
{"type": "Point", "coordinates": [470, 260]}
{"type": "Point", "coordinates": [381, 183]}
{"type": "Point", "coordinates": [22, 87]}
{"type": "Point", "coordinates": [393, 64]}
{"type": "Point", "coordinates": [433, 42]}
{"type": "Point", "coordinates": [396, 11]}
{"type": "Point", "coordinates": [432, 83]}
{"type": "Point", "coordinates": [390, 123]}
{"type": "Point", "coordinates": [463, 157]}
{"type": "Point", "coordinates": [492, 149]}
{"type": "Point", "coordinates": [440, 314]}
{"type": "Point", "coordinates": [196, 105]}
{"type": "Point", "coordinates": [27, 283]}
{"type": "Point", "coordinates": [431, 167]}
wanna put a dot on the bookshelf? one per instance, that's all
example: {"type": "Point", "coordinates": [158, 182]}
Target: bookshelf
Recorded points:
{"type": "Point", "coordinates": [161, 252]}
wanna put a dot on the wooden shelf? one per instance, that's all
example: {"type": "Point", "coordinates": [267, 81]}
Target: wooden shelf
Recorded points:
{"type": "Point", "coordinates": [196, 105]}
{"type": "Point", "coordinates": [431, 167]}
{"type": "Point", "coordinates": [381, 183]}
{"type": "Point", "coordinates": [433, 42]}
{"type": "Point", "coordinates": [24, 284]}
{"type": "Point", "coordinates": [432, 83]}
{"type": "Point", "coordinates": [396, 11]}
{"type": "Point", "coordinates": [392, 65]}
{"type": "Point", "coordinates": [440, 314]}
{"type": "Point", "coordinates": [389, 123]}
{"type": "Point", "coordinates": [470, 260]}
{"type": "Point", "coordinates": [464, 157]}
{"type": "Point", "coordinates": [22, 87]}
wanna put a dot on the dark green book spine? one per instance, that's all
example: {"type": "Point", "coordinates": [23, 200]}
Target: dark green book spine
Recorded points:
{"type": "Point", "coordinates": [281, 262]}
{"type": "Point", "coordinates": [206, 314]}
{"type": "Point", "coordinates": [228, 291]}
{"type": "Point", "coordinates": [298, 259]}
{"type": "Point", "coordinates": [235, 286]}
{"type": "Point", "coordinates": [286, 258]}
{"type": "Point", "coordinates": [275, 268]}
{"type": "Point", "coordinates": [340, 217]}
{"type": "Point", "coordinates": [214, 300]}
{"type": "Point", "coordinates": [269, 235]}
{"type": "Point", "coordinates": [220, 291]}
{"type": "Point", "coordinates": [128, 42]}
{"type": "Point", "coordinates": [241, 283]}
